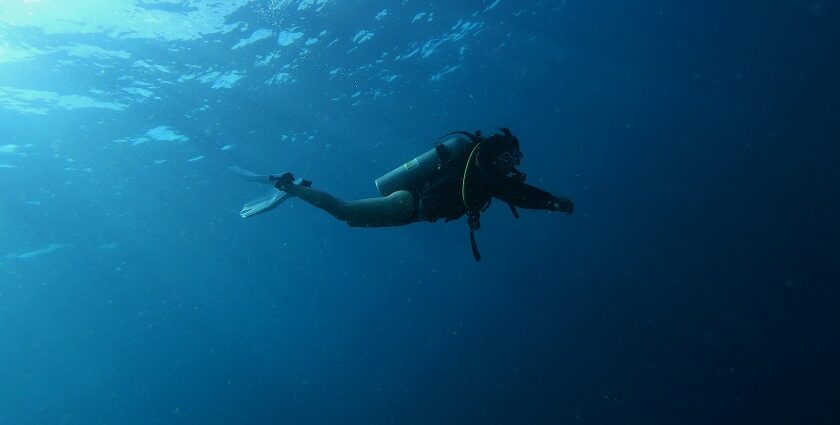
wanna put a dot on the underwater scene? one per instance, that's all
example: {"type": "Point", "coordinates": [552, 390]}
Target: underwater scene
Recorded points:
{"type": "Point", "coordinates": [419, 212]}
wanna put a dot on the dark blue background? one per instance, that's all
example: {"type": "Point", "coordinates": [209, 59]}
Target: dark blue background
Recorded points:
{"type": "Point", "coordinates": [695, 283]}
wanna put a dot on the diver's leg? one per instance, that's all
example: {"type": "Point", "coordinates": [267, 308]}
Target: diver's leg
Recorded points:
{"type": "Point", "coordinates": [320, 199]}
{"type": "Point", "coordinates": [395, 209]}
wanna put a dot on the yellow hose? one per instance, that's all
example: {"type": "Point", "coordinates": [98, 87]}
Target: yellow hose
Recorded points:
{"type": "Point", "coordinates": [470, 161]}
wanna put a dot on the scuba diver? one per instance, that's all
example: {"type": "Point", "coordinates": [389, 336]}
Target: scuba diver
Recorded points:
{"type": "Point", "coordinates": [458, 177]}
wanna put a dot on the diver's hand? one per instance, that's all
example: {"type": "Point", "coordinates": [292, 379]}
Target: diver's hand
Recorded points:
{"type": "Point", "coordinates": [561, 204]}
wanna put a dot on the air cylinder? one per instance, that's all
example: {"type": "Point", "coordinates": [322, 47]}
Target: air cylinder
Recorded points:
{"type": "Point", "coordinates": [415, 174]}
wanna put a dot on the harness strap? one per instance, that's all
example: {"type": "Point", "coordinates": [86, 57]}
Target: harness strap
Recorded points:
{"type": "Point", "coordinates": [473, 219]}
{"type": "Point", "coordinates": [513, 210]}
{"type": "Point", "coordinates": [474, 245]}
{"type": "Point", "coordinates": [444, 155]}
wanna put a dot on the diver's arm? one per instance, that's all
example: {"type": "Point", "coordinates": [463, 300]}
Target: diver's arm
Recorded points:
{"type": "Point", "coordinates": [526, 196]}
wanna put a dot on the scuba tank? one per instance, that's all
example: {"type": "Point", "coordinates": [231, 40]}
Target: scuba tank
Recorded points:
{"type": "Point", "coordinates": [428, 167]}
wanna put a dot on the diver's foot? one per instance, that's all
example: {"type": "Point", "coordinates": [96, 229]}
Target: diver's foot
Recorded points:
{"type": "Point", "coordinates": [283, 181]}
{"type": "Point", "coordinates": [292, 189]}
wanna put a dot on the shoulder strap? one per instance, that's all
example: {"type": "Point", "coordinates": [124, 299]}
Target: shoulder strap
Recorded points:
{"type": "Point", "coordinates": [444, 156]}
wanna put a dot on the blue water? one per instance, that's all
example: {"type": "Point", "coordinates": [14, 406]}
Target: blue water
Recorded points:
{"type": "Point", "coordinates": [696, 282]}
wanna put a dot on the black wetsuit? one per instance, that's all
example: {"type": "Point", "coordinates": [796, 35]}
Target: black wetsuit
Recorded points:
{"type": "Point", "coordinates": [444, 200]}
{"type": "Point", "coordinates": [441, 199]}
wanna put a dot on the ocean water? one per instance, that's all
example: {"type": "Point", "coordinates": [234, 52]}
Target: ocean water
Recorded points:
{"type": "Point", "coordinates": [696, 282]}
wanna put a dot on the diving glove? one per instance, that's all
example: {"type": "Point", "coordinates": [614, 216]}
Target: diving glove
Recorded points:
{"type": "Point", "coordinates": [561, 204]}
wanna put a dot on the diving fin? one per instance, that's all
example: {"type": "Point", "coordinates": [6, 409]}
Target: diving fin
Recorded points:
{"type": "Point", "coordinates": [271, 199]}
{"type": "Point", "coordinates": [252, 177]}
{"type": "Point", "coordinates": [264, 203]}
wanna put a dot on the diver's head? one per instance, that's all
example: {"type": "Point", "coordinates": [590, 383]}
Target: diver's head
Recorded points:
{"type": "Point", "coordinates": [500, 153]}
